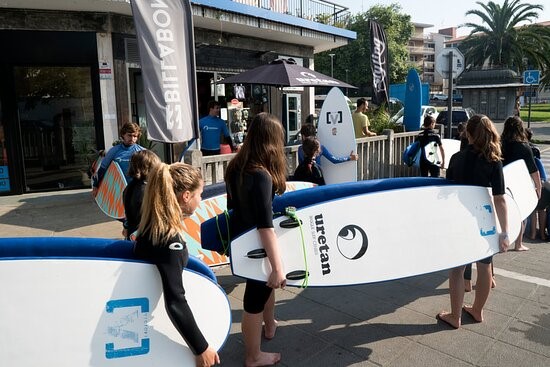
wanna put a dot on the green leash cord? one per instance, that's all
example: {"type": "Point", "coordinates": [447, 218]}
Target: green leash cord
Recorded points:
{"type": "Point", "coordinates": [225, 243]}
{"type": "Point", "coordinates": [291, 213]}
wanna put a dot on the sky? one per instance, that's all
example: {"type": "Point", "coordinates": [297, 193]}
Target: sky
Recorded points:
{"type": "Point", "coordinates": [440, 13]}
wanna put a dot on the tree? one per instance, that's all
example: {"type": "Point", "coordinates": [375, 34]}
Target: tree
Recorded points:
{"type": "Point", "coordinates": [500, 40]}
{"type": "Point", "coordinates": [352, 62]}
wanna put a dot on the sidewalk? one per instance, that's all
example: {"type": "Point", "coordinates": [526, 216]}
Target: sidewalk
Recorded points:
{"type": "Point", "coordinates": [385, 324]}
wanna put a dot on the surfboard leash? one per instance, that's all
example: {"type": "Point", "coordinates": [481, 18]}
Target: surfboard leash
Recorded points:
{"type": "Point", "coordinates": [225, 243]}
{"type": "Point", "coordinates": [290, 212]}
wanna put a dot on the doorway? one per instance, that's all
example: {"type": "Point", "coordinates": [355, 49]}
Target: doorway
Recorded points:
{"type": "Point", "coordinates": [56, 120]}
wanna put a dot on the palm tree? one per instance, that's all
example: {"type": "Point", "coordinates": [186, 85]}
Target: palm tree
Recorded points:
{"type": "Point", "coordinates": [500, 40]}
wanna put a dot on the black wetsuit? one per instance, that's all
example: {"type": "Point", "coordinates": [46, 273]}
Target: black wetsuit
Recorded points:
{"type": "Point", "coordinates": [132, 199]}
{"type": "Point", "coordinates": [424, 138]}
{"type": "Point", "coordinates": [309, 171]}
{"type": "Point", "coordinates": [170, 258]}
{"type": "Point", "coordinates": [467, 167]}
{"type": "Point", "coordinates": [251, 198]}
{"type": "Point", "coordinates": [514, 150]}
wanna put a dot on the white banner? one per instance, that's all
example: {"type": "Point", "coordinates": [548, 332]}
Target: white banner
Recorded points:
{"type": "Point", "coordinates": [164, 31]}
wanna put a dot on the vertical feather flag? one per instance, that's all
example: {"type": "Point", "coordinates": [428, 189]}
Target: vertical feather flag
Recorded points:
{"type": "Point", "coordinates": [164, 31]}
{"type": "Point", "coordinates": [379, 63]}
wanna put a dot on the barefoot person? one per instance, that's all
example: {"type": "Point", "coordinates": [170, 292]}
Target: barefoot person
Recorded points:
{"type": "Point", "coordinates": [252, 177]}
{"type": "Point", "coordinates": [479, 164]}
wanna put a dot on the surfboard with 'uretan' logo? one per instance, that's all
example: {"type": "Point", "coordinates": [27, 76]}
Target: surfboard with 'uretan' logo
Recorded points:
{"type": "Point", "coordinates": [351, 240]}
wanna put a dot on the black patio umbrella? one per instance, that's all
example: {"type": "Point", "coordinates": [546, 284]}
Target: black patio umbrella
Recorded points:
{"type": "Point", "coordinates": [285, 73]}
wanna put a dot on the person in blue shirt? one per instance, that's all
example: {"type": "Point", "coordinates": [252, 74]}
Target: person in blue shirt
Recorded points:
{"type": "Point", "coordinates": [308, 130]}
{"type": "Point", "coordinates": [120, 153]}
{"type": "Point", "coordinates": [212, 128]}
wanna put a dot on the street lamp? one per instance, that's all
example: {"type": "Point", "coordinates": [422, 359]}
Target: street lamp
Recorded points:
{"type": "Point", "coordinates": [331, 65]}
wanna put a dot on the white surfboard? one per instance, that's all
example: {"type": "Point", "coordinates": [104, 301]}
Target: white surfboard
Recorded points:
{"type": "Point", "coordinates": [75, 312]}
{"type": "Point", "coordinates": [364, 238]}
{"type": "Point", "coordinates": [335, 131]}
{"type": "Point", "coordinates": [520, 187]}
{"type": "Point", "coordinates": [451, 146]}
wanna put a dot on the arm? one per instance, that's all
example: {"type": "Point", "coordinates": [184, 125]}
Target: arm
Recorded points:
{"type": "Point", "coordinates": [502, 215]}
{"type": "Point", "coordinates": [105, 162]}
{"type": "Point", "coordinates": [365, 127]}
{"type": "Point", "coordinates": [442, 151]}
{"type": "Point", "coordinates": [269, 241]}
{"type": "Point", "coordinates": [535, 176]}
{"type": "Point", "coordinates": [328, 155]}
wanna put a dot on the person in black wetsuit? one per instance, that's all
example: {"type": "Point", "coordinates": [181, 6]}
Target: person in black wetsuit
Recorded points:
{"type": "Point", "coordinates": [253, 176]}
{"type": "Point", "coordinates": [172, 193]}
{"type": "Point", "coordinates": [427, 136]}
{"type": "Point", "coordinates": [141, 164]}
{"type": "Point", "coordinates": [479, 164]}
{"type": "Point", "coordinates": [515, 146]}
{"type": "Point", "coordinates": [308, 170]}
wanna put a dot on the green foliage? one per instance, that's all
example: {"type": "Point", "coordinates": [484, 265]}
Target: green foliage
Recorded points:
{"type": "Point", "coordinates": [500, 39]}
{"type": "Point", "coordinates": [352, 62]}
{"type": "Point", "coordinates": [380, 120]}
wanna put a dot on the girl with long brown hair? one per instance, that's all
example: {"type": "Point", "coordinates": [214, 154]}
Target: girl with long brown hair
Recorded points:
{"type": "Point", "coordinates": [257, 172]}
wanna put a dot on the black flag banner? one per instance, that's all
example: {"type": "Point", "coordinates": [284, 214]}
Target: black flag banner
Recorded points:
{"type": "Point", "coordinates": [379, 63]}
{"type": "Point", "coordinates": [166, 44]}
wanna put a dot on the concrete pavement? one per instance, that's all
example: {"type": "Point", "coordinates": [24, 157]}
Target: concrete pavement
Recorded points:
{"type": "Point", "coordinates": [384, 324]}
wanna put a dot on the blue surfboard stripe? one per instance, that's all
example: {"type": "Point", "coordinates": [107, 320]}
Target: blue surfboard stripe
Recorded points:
{"type": "Point", "coordinates": [302, 198]}
{"type": "Point", "coordinates": [24, 248]}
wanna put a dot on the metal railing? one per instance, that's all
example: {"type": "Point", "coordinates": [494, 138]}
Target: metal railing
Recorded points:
{"type": "Point", "coordinates": [317, 10]}
{"type": "Point", "coordinates": [379, 157]}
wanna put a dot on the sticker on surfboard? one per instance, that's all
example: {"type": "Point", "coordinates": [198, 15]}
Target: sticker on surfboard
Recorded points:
{"type": "Point", "coordinates": [335, 131]}
{"type": "Point", "coordinates": [110, 190]}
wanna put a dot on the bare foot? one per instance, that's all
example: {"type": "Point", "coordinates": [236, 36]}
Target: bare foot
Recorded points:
{"type": "Point", "coordinates": [449, 319]}
{"type": "Point", "coordinates": [263, 359]}
{"type": "Point", "coordinates": [467, 285]}
{"type": "Point", "coordinates": [521, 248]}
{"type": "Point", "coordinates": [477, 316]}
{"type": "Point", "coordinates": [493, 282]}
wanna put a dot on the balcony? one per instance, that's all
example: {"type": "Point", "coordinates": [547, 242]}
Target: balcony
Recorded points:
{"type": "Point", "coordinates": [316, 10]}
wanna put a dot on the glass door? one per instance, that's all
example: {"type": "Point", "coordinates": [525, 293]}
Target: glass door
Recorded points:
{"type": "Point", "coordinates": [293, 114]}
{"type": "Point", "coordinates": [56, 119]}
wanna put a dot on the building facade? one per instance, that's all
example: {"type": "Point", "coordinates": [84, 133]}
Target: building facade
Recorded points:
{"type": "Point", "coordinates": [70, 76]}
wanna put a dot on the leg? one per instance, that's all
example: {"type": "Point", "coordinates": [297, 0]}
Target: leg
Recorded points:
{"type": "Point", "coordinates": [542, 224]}
{"type": "Point", "coordinates": [468, 278]}
{"type": "Point", "coordinates": [483, 287]}
{"type": "Point", "coordinates": [493, 282]}
{"type": "Point", "coordinates": [270, 324]}
{"type": "Point", "coordinates": [519, 241]}
{"type": "Point", "coordinates": [533, 225]}
{"type": "Point", "coordinates": [456, 292]}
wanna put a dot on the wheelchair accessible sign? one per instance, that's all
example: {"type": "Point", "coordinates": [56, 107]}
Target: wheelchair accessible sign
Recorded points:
{"type": "Point", "coordinates": [531, 77]}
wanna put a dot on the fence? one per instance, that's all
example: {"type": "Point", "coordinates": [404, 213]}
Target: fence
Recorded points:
{"type": "Point", "coordinates": [379, 157]}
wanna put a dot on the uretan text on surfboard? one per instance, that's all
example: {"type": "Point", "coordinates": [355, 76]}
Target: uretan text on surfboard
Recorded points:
{"type": "Point", "coordinates": [320, 240]}
{"type": "Point", "coordinates": [169, 75]}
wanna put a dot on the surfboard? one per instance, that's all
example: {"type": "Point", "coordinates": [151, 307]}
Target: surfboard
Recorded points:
{"type": "Point", "coordinates": [97, 309]}
{"type": "Point", "coordinates": [344, 244]}
{"type": "Point", "coordinates": [431, 152]}
{"type": "Point", "coordinates": [520, 187]}
{"type": "Point", "coordinates": [110, 190]}
{"type": "Point", "coordinates": [451, 147]}
{"type": "Point", "coordinates": [413, 102]}
{"type": "Point", "coordinates": [210, 207]}
{"type": "Point", "coordinates": [335, 131]}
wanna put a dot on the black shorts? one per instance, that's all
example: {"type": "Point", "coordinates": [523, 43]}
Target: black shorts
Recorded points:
{"type": "Point", "coordinates": [256, 295]}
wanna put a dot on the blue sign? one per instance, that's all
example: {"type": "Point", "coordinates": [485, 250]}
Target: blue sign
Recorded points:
{"type": "Point", "coordinates": [4, 179]}
{"type": "Point", "coordinates": [531, 77]}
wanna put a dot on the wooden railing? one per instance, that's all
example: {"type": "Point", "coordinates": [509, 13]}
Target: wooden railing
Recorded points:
{"type": "Point", "coordinates": [379, 157]}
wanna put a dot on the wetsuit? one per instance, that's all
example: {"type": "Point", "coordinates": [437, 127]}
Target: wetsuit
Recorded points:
{"type": "Point", "coordinates": [309, 171]}
{"type": "Point", "coordinates": [250, 197]}
{"type": "Point", "coordinates": [121, 154]}
{"type": "Point", "coordinates": [132, 198]}
{"type": "Point", "coordinates": [170, 258]}
{"type": "Point", "coordinates": [467, 167]}
{"type": "Point", "coordinates": [325, 153]}
{"type": "Point", "coordinates": [514, 150]}
{"type": "Point", "coordinates": [426, 137]}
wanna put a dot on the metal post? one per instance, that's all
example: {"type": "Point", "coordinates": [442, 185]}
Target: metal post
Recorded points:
{"type": "Point", "coordinates": [450, 98]}
{"type": "Point", "coordinates": [529, 113]}
{"type": "Point", "coordinates": [347, 81]}
{"type": "Point", "coordinates": [331, 65]}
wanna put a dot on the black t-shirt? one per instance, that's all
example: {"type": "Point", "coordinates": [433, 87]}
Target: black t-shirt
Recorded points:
{"type": "Point", "coordinates": [250, 196]}
{"type": "Point", "coordinates": [170, 258]}
{"type": "Point", "coordinates": [514, 150]}
{"type": "Point", "coordinates": [467, 167]}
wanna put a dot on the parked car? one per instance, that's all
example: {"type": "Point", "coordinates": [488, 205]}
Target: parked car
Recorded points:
{"type": "Point", "coordinates": [460, 114]}
{"type": "Point", "coordinates": [439, 97]}
{"type": "Point", "coordinates": [457, 97]}
{"type": "Point", "coordinates": [426, 110]}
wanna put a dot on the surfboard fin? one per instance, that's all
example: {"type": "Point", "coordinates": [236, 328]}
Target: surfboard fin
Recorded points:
{"type": "Point", "coordinates": [258, 253]}
{"type": "Point", "coordinates": [290, 223]}
{"type": "Point", "coordinates": [297, 275]}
